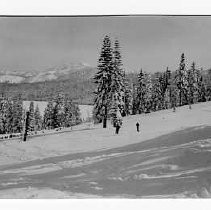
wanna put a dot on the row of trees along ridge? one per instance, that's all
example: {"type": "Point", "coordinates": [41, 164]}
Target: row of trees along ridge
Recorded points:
{"type": "Point", "coordinates": [143, 92]}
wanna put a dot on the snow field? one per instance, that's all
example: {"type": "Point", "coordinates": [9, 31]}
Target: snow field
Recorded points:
{"type": "Point", "coordinates": [85, 138]}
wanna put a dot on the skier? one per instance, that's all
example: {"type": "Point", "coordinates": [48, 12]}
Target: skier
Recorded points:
{"type": "Point", "coordinates": [137, 126]}
{"type": "Point", "coordinates": [118, 125]}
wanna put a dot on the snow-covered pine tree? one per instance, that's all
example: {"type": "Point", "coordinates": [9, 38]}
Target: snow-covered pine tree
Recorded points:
{"type": "Point", "coordinates": [167, 97]}
{"type": "Point", "coordinates": [103, 80]}
{"type": "Point", "coordinates": [114, 109]}
{"type": "Point", "coordinates": [174, 97]}
{"type": "Point", "coordinates": [17, 113]}
{"type": "Point", "coordinates": [68, 113]}
{"type": "Point", "coordinates": [128, 98]}
{"type": "Point", "coordinates": [156, 92]}
{"type": "Point", "coordinates": [141, 92]}
{"type": "Point", "coordinates": [148, 93]}
{"type": "Point", "coordinates": [9, 116]}
{"type": "Point", "coordinates": [1, 116]}
{"type": "Point", "coordinates": [48, 116]}
{"type": "Point", "coordinates": [6, 116]}
{"type": "Point", "coordinates": [31, 116]}
{"type": "Point", "coordinates": [135, 104]}
{"type": "Point", "coordinates": [190, 86]}
{"type": "Point", "coordinates": [181, 81]}
{"type": "Point", "coordinates": [118, 79]}
{"type": "Point", "coordinates": [37, 119]}
{"type": "Point", "coordinates": [58, 112]}
{"type": "Point", "coordinates": [201, 88]}
{"type": "Point", "coordinates": [163, 86]}
{"type": "Point", "coordinates": [157, 99]}
{"type": "Point", "coordinates": [196, 77]}
{"type": "Point", "coordinates": [121, 75]}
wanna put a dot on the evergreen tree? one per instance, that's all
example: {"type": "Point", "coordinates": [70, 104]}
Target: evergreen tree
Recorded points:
{"type": "Point", "coordinates": [114, 109]}
{"type": "Point", "coordinates": [103, 79]}
{"type": "Point", "coordinates": [135, 104]}
{"type": "Point", "coordinates": [37, 119]}
{"type": "Point", "coordinates": [191, 81]}
{"type": "Point", "coordinates": [31, 117]}
{"type": "Point", "coordinates": [48, 116]}
{"type": "Point", "coordinates": [163, 87]}
{"type": "Point", "coordinates": [68, 113]}
{"type": "Point", "coordinates": [6, 116]}
{"type": "Point", "coordinates": [181, 81]}
{"type": "Point", "coordinates": [156, 95]}
{"type": "Point", "coordinates": [148, 93]}
{"type": "Point", "coordinates": [201, 88]}
{"type": "Point", "coordinates": [141, 91]}
{"type": "Point", "coordinates": [167, 97]}
{"type": "Point", "coordinates": [17, 113]}
{"type": "Point", "coordinates": [58, 111]}
{"type": "Point", "coordinates": [128, 98]}
{"type": "Point", "coordinates": [75, 119]}
{"type": "Point", "coordinates": [118, 78]}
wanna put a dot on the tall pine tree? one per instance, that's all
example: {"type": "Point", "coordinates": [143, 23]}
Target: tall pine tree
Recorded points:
{"type": "Point", "coordinates": [103, 79]}
{"type": "Point", "coordinates": [118, 83]}
{"type": "Point", "coordinates": [141, 92]}
{"type": "Point", "coordinates": [191, 82]}
{"type": "Point", "coordinates": [181, 81]}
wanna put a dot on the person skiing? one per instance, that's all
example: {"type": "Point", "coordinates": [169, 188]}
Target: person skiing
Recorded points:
{"type": "Point", "coordinates": [118, 125]}
{"type": "Point", "coordinates": [137, 126]}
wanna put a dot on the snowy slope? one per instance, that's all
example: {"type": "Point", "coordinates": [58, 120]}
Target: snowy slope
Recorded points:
{"type": "Point", "coordinates": [170, 157]}
{"type": "Point", "coordinates": [88, 137]}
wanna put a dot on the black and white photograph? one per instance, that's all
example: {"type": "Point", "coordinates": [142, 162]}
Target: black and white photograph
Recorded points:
{"type": "Point", "coordinates": [106, 106]}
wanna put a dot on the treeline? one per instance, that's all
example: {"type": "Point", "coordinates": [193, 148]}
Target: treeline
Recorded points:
{"type": "Point", "coordinates": [118, 94]}
{"type": "Point", "coordinates": [60, 112]}
{"type": "Point", "coordinates": [165, 90]}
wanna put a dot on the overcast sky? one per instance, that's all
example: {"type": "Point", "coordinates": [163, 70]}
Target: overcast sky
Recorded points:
{"type": "Point", "coordinates": [151, 43]}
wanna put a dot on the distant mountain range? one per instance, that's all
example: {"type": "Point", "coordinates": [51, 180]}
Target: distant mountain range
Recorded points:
{"type": "Point", "coordinates": [60, 72]}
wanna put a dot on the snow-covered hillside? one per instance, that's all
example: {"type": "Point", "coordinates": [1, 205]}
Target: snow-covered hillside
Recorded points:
{"type": "Point", "coordinates": [170, 157]}
{"type": "Point", "coordinates": [11, 78]}
{"type": "Point", "coordinates": [59, 72]}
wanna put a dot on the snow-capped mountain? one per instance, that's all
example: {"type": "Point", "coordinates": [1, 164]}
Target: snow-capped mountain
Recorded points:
{"type": "Point", "coordinates": [60, 72]}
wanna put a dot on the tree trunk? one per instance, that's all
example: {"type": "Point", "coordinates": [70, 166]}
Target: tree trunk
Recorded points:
{"type": "Point", "coordinates": [180, 98]}
{"type": "Point", "coordinates": [105, 122]}
{"type": "Point", "coordinates": [105, 118]}
{"type": "Point", "coordinates": [26, 126]}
